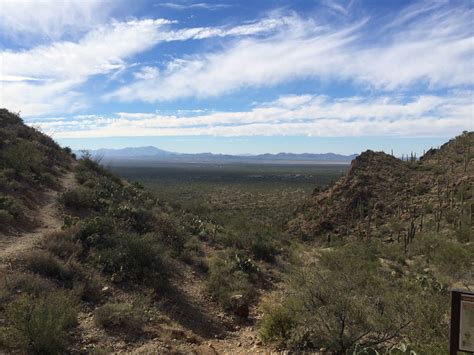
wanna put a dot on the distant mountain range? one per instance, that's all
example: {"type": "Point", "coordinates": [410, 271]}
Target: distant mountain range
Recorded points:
{"type": "Point", "coordinates": [152, 154]}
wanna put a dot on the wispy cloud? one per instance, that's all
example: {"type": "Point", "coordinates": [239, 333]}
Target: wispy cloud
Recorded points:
{"type": "Point", "coordinates": [436, 51]}
{"type": "Point", "coordinates": [290, 115]}
{"type": "Point", "coordinates": [190, 6]}
{"type": "Point", "coordinates": [52, 19]}
{"type": "Point", "coordinates": [30, 76]}
{"type": "Point", "coordinates": [58, 69]}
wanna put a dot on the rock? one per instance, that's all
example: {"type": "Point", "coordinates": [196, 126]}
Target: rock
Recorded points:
{"type": "Point", "coordinates": [239, 306]}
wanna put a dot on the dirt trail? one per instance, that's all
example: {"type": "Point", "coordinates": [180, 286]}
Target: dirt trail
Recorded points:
{"type": "Point", "coordinates": [49, 218]}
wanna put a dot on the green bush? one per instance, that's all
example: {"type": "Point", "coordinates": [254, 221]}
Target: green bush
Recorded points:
{"type": "Point", "coordinates": [264, 249]}
{"type": "Point", "coordinates": [89, 166]}
{"type": "Point", "coordinates": [94, 231]}
{"type": "Point", "coordinates": [10, 205]}
{"type": "Point", "coordinates": [450, 257]}
{"type": "Point", "coordinates": [45, 264]}
{"type": "Point", "coordinates": [23, 156]}
{"type": "Point", "coordinates": [226, 280]}
{"type": "Point", "coordinates": [40, 325]}
{"type": "Point", "coordinates": [13, 284]}
{"type": "Point", "coordinates": [132, 257]}
{"type": "Point", "coordinates": [276, 325]}
{"type": "Point", "coordinates": [464, 234]}
{"type": "Point", "coordinates": [49, 180]}
{"type": "Point", "coordinates": [62, 244]}
{"type": "Point", "coordinates": [88, 287]}
{"type": "Point", "coordinates": [192, 251]}
{"type": "Point", "coordinates": [120, 316]}
{"type": "Point", "coordinates": [139, 219]}
{"type": "Point", "coordinates": [78, 198]}
{"type": "Point", "coordinates": [340, 302]}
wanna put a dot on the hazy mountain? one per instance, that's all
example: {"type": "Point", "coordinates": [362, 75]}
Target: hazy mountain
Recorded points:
{"type": "Point", "coordinates": [129, 152]}
{"type": "Point", "coordinates": [152, 154]}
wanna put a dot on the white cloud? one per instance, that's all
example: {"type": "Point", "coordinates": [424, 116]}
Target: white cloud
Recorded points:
{"type": "Point", "coordinates": [199, 5]}
{"type": "Point", "coordinates": [52, 19]}
{"type": "Point", "coordinates": [291, 115]}
{"type": "Point", "coordinates": [437, 51]}
{"type": "Point", "coordinates": [30, 79]}
{"type": "Point", "coordinates": [43, 80]}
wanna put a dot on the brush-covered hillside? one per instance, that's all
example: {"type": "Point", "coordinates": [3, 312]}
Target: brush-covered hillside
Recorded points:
{"type": "Point", "coordinates": [385, 197]}
{"type": "Point", "coordinates": [31, 164]}
{"type": "Point", "coordinates": [383, 247]}
{"type": "Point", "coordinates": [91, 263]}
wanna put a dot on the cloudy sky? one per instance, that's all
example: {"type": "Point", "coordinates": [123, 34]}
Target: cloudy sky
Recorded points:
{"type": "Point", "coordinates": [241, 76]}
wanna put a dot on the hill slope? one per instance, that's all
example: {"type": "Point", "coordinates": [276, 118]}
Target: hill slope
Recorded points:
{"type": "Point", "coordinates": [90, 262]}
{"type": "Point", "coordinates": [31, 165]}
{"type": "Point", "coordinates": [382, 196]}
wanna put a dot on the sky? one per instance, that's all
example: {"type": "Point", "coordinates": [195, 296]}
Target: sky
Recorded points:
{"type": "Point", "coordinates": [239, 77]}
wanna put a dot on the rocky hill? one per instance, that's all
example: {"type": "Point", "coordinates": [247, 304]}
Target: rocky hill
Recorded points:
{"type": "Point", "coordinates": [385, 197]}
{"type": "Point", "coordinates": [31, 165]}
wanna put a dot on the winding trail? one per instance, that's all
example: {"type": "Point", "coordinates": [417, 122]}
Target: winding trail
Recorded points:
{"type": "Point", "coordinates": [49, 217]}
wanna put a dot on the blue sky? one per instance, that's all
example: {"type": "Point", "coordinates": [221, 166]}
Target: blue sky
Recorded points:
{"type": "Point", "coordinates": [241, 76]}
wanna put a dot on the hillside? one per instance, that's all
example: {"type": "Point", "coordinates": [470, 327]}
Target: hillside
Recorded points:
{"type": "Point", "coordinates": [90, 262]}
{"type": "Point", "coordinates": [383, 197]}
{"type": "Point", "coordinates": [383, 247]}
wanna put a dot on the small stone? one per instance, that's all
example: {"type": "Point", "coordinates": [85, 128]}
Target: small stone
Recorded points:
{"type": "Point", "coordinates": [240, 306]}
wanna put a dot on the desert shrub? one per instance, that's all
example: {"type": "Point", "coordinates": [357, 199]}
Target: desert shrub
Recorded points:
{"type": "Point", "coordinates": [345, 301]}
{"type": "Point", "coordinates": [23, 283]}
{"type": "Point", "coordinates": [464, 233]}
{"type": "Point", "coordinates": [10, 205]}
{"type": "Point", "coordinates": [245, 264]}
{"type": "Point", "coordinates": [192, 251]}
{"type": "Point", "coordinates": [139, 219]}
{"type": "Point", "coordinates": [88, 287]}
{"type": "Point", "coordinates": [422, 188]}
{"type": "Point", "coordinates": [263, 249]}
{"type": "Point", "coordinates": [450, 257]}
{"type": "Point", "coordinates": [78, 198]}
{"type": "Point", "coordinates": [49, 180]}
{"type": "Point", "coordinates": [226, 280]}
{"type": "Point", "coordinates": [276, 325]}
{"type": "Point", "coordinates": [23, 157]}
{"type": "Point", "coordinates": [450, 216]}
{"type": "Point", "coordinates": [8, 181]}
{"type": "Point", "coordinates": [93, 231]}
{"type": "Point", "coordinates": [89, 164]}
{"type": "Point", "coordinates": [45, 264]}
{"type": "Point", "coordinates": [62, 244]}
{"type": "Point", "coordinates": [40, 325]}
{"type": "Point", "coordinates": [340, 302]}
{"type": "Point", "coordinates": [120, 316]}
{"type": "Point", "coordinates": [132, 257]}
